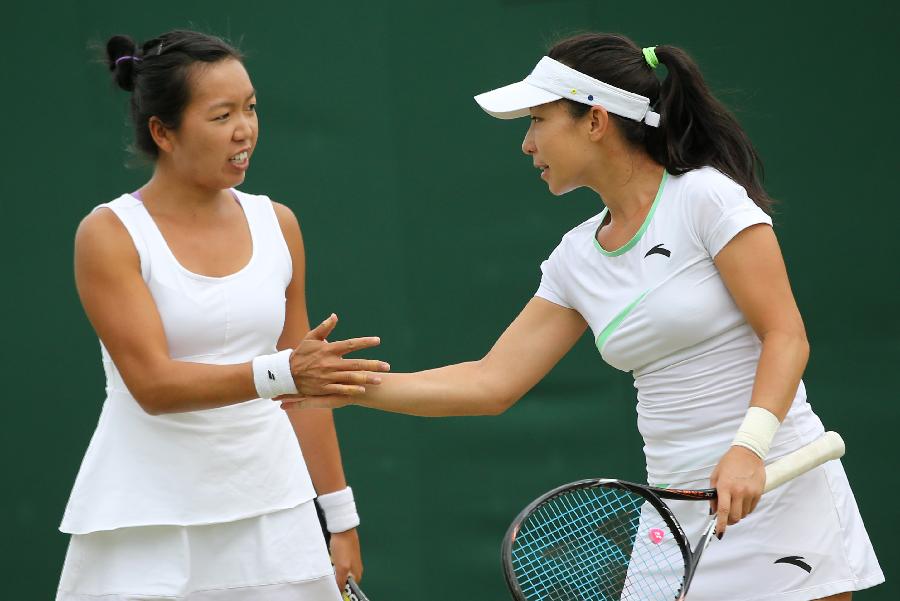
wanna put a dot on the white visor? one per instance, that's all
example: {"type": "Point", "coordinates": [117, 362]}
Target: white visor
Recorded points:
{"type": "Point", "coordinates": [552, 80]}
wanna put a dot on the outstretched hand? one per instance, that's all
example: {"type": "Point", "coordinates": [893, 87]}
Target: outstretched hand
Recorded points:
{"type": "Point", "coordinates": [319, 368]}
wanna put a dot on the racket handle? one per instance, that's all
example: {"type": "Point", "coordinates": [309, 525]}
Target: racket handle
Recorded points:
{"type": "Point", "coordinates": [825, 448]}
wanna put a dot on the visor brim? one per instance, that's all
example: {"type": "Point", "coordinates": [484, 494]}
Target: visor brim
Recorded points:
{"type": "Point", "coordinates": [514, 100]}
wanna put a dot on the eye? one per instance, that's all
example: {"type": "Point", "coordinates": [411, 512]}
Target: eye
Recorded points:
{"type": "Point", "coordinates": [251, 107]}
{"type": "Point", "coordinates": [221, 117]}
{"type": "Point", "coordinates": [535, 119]}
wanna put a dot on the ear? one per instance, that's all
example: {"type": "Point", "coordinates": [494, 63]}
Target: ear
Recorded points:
{"type": "Point", "coordinates": [162, 135]}
{"type": "Point", "coordinates": [598, 121]}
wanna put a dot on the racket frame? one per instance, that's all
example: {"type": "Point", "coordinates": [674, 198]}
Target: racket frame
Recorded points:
{"type": "Point", "coordinates": [653, 494]}
{"type": "Point", "coordinates": [352, 592]}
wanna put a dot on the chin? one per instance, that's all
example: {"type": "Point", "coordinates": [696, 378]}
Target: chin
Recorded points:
{"type": "Point", "coordinates": [559, 191]}
{"type": "Point", "coordinates": [233, 181]}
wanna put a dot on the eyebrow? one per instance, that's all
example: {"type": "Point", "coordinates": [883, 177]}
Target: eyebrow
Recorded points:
{"type": "Point", "coordinates": [225, 103]}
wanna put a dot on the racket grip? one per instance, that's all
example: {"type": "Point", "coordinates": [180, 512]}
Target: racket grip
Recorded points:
{"type": "Point", "coordinates": [825, 448]}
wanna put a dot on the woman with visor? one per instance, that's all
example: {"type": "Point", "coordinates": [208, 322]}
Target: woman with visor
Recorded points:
{"type": "Point", "coordinates": [681, 280]}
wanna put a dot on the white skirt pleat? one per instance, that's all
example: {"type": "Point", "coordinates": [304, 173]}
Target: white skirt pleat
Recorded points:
{"type": "Point", "coordinates": [279, 556]}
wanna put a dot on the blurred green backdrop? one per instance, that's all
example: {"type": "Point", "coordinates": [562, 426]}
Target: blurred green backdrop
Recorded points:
{"type": "Point", "coordinates": [425, 224]}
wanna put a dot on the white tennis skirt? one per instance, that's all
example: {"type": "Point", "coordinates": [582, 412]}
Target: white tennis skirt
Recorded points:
{"type": "Point", "coordinates": [805, 540]}
{"type": "Point", "coordinates": [279, 556]}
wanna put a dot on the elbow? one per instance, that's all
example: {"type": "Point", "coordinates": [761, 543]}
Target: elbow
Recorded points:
{"type": "Point", "coordinates": [499, 400]}
{"type": "Point", "coordinates": [149, 402]}
{"type": "Point", "coordinates": [497, 392]}
{"type": "Point", "coordinates": [801, 342]}
{"type": "Point", "coordinates": [500, 405]}
{"type": "Point", "coordinates": [152, 398]}
{"type": "Point", "coordinates": [793, 341]}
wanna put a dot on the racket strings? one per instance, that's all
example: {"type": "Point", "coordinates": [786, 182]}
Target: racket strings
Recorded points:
{"type": "Point", "coordinates": [597, 543]}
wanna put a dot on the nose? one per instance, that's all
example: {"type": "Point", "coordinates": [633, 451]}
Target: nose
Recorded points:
{"type": "Point", "coordinates": [528, 146]}
{"type": "Point", "coordinates": [244, 127]}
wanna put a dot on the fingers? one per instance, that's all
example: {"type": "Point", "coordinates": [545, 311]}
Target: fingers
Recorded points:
{"type": "Point", "coordinates": [340, 573]}
{"type": "Point", "coordinates": [753, 505]}
{"type": "Point", "coordinates": [747, 506]}
{"type": "Point", "coordinates": [315, 402]}
{"type": "Point", "coordinates": [321, 331]}
{"type": "Point", "coordinates": [343, 347]}
{"type": "Point", "coordinates": [343, 389]}
{"type": "Point", "coordinates": [355, 377]}
{"type": "Point", "coordinates": [737, 509]}
{"type": "Point", "coordinates": [362, 365]}
{"type": "Point", "coordinates": [722, 511]}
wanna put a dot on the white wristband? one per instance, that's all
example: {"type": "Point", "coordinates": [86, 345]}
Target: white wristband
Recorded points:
{"type": "Point", "coordinates": [757, 431]}
{"type": "Point", "coordinates": [272, 375]}
{"type": "Point", "coordinates": [339, 509]}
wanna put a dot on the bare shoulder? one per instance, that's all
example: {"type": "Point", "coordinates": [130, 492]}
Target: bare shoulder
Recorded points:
{"type": "Point", "coordinates": [286, 216]}
{"type": "Point", "coordinates": [101, 235]}
{"type": "Point", "coordinates": [290, 226]}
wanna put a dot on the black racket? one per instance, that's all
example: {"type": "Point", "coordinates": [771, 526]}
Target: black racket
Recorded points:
{"type": "Point", "coordinates": [610, 540]}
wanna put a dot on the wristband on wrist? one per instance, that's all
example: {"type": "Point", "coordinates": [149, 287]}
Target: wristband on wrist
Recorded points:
{"type": "Point", "coordinates": [272, 375]}
{"type": "Point", "coordinates": [339, 509]}
{"type": "Point", "coordinates": [757, 431]}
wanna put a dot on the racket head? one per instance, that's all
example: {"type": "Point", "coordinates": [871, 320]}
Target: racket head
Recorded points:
{"type": "Point", "coordinates": [596, 539]}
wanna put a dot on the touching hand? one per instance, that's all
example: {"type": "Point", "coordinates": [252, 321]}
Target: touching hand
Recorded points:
{"type": "Point", "coordinates": [319, 367]}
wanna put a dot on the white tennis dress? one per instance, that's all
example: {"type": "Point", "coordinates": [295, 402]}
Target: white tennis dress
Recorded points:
{"type": "Point", "coordinates": [211, 505]}
{"type": "Point", "coordinates": [658, 308]}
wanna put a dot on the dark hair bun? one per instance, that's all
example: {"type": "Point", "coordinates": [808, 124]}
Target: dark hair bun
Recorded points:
{"type": "Point", "coordinates": [117, 47]}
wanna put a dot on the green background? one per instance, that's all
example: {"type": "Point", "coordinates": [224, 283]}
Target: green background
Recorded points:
{"type": "Point", "coordinates": [425, 224]}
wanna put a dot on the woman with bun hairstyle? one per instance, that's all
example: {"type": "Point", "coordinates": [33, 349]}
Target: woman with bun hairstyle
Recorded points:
{"type": "Point", "coordinates": [681, 280]}
{"type": "Point", "coordinates": [194, 485]}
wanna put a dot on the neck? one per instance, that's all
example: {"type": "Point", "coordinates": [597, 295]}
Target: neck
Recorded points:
{"type": "Point", "coordinates": [628, 185]}
{"type": "Point", "coordinates": [169, 192]}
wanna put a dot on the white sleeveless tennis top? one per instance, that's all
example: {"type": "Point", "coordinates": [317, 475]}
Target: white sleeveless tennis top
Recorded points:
{"type": "Point", "coordinates": [658, 308]}
{"type": "Point", "coordinates": [197, 467]}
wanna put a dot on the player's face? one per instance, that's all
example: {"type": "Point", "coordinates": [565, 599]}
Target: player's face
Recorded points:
{"type": "Point", "coordinates": [219, 128]}
{"type": "Point", "coordinates": [558, 146]}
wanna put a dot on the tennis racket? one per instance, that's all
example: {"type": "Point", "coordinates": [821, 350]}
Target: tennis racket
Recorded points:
{"type": "Point", "coordinates": [610, 540]}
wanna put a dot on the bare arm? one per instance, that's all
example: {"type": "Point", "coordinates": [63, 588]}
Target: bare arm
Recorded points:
{"type": "Point", "coordinates": [124, 315]}
{"type": "Point", "coordinates": [752, 268]}
{"type": "Point", "coordinates": [528, 349]}
{"type": "Point", "coordinates": [315, 428]}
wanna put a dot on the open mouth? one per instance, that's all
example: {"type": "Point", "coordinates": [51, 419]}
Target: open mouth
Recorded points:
{"type": "Point", "coordinates": [240, 157]}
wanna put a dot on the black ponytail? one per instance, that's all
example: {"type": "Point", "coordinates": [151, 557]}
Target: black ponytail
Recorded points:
{"type": "Point", "coordinates": [696, 130]}
{"type": "Point", "coordinates": [157, 73]}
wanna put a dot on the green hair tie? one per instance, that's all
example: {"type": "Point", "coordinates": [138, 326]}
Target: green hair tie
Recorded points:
{"type": "Point", "coordinates": [650, 56]}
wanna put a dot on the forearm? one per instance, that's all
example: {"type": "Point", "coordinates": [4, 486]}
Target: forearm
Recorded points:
{"type": "Point", "coordinates": [318, 440]}
{"type": "Point", "coordinates": [461, 389]}
{"type": "Point", "coordinates": [781, 364]}
{"type": "Point", "coordinates": [178, 386]}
